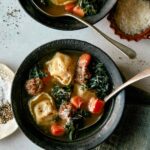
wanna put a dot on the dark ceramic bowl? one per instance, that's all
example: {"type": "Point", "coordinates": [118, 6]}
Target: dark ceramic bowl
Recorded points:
{"type": "Point", "coordinates": [87, 138]}
{"type": "Point", "coordinates": [66, 23]}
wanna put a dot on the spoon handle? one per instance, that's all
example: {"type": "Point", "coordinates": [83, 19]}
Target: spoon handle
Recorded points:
{"type": "Point", "coordinates": [139, 76]}
{"type": "Point", "coordinates": [124, 49]}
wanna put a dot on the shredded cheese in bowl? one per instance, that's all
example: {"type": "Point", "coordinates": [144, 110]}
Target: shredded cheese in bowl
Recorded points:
{"type": "Point", "coordinates": [132, 16]}
{"type": "Point", "coordinates": [7, 122]}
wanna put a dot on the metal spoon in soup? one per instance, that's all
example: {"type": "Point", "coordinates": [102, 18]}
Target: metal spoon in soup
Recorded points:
{"type": "Point", "coordinates": [139, 76]}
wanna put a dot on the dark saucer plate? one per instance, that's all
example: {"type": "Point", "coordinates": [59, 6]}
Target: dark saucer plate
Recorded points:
{"type": "Point", "coordinates": [88, 138]}
{"type": "Point", "coordinates": [66, 23]}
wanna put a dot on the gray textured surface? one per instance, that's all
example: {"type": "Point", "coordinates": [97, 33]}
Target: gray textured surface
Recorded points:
{"type": "Point", "coordinates": [133, 131]}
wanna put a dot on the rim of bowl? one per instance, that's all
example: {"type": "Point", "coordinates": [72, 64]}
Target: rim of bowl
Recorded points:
{"type": "Point", "coordinates": [31, 11]}
{"type": "Point", "coordinates": [109, 124]}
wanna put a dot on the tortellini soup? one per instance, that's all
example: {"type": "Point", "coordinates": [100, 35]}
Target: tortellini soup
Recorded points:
{"type": "Point", "coordinates": [66, 93]}
{"type": "Point", "coordinates": [79, 8]}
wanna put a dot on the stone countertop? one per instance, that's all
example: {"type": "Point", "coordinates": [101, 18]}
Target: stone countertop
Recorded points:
{"type": "Point", "coordinates": [20, 34]}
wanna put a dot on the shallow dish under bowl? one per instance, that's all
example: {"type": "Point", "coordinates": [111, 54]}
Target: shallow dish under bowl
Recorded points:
{"type": "Point", "coordinates": [66, 23]}
{"type": "Point", "coordinates": [87, 138]}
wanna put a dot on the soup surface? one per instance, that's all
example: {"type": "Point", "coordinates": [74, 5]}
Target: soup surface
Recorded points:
{"type": "Point", "coordinates": [66, 93]}
{"type": "Point", "coordinates": [80, 8]}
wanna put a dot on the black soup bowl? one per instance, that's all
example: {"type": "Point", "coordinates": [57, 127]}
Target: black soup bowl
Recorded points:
{"type": "Point", "coordinates": [87, 138]}
{"type": "Point", "coordinates": [66, 23]}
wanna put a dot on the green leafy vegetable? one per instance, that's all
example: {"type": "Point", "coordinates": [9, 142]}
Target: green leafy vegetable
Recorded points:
{"type": "Point", "coordinates": [100, 81]}
{"type": "Point", "coordinates": [70, 130]}
{"type": "Point", "coordinates": [84, 113]}
{"type": "Point", "coordinates": [61, 94]}
{"type": "Point", "coordinates": [76, 122]}
{"type": "Point", "coordinates": [36, 72]}
{"type": "Point", "coordinates": [90, 7]}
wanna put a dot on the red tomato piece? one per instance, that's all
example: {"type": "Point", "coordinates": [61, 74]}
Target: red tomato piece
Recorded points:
{"type": "Point", "coordinates": [69, 7]}
{"type": "Point", "coordinates": [77, 10]}
{"type": "Point", "coordinates": [96, 106]}
{"type": "Point", "coordinates": [46, 79]}
{"type": "Point", "coordinates": [76, 101]}
{"type": "Point", "coordinates": [84, 60]}
{"type": "Point", "coordinates": [57, 129]}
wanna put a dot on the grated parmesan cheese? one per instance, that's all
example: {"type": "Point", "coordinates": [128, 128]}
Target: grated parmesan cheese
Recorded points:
{"type": "Point", "coordinates": [5, 87]}
{"type": "Point", "coordinates": [7, 121]}
{"type": "Point", "coordinates": [5, 90]}
{"type": "Point", "coordinates": [133, 16]}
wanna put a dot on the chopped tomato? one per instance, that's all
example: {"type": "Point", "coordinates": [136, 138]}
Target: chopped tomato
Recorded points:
{"type": "Point", "coordinates": [96, 106]}
{"type": "Point", "coordinates": [46, 79]}
{"type": "Point", "coordinates": [69, 7]}
{"type": "Point", "coordinates": [84, 60]}
{"type": "Point", "coordinates": [76, 101]}
{"type": "Point", "coordinates": [57, 129]}
{"type": "Point", "coordinates": [77, 10]}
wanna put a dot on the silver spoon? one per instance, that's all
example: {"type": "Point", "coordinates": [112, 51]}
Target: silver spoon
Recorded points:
{"type": "Point", "coordinates": [139, 76]}
{"type": "Point", "coordinates": [61, 13]}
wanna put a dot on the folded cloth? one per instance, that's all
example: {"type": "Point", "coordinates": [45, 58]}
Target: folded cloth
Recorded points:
{"type": "Point", "coordinates": [133, 131]}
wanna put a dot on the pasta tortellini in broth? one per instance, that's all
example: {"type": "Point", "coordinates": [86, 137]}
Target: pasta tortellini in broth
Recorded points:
{"type": "Point", "coordinates": [42, 108]}
{"type": "Point", "coordinates": [62, 68]}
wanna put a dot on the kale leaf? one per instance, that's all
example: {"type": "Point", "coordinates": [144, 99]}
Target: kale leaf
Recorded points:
{"type": "Point", "coordinates": [90, 7]}
{"type": "Point", "coordinates": [77, 122]}
{"type": "Point", "coordinates": [61, 94]}
{"type": "Point", "coordinates": [100, 80]}
{"type": "Point", "coordinates": [36, 72]}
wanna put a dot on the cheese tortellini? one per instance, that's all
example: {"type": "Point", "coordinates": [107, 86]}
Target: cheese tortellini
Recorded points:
{"type": "Point", "coordinates": [62, 68]}
{"type": "Point", "coordinates": [43, 109]}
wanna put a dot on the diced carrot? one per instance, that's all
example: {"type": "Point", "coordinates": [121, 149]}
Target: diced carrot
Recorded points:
{"type": "Point", "coordinates": [96, 106]}
{"type": "Point", "coordinates": [76, 101]}
{"type": "Point", "coordinates": [77, 10]}
{"type": "Point", "coordinates": [69, 7]}
{"type": "Point", "coordinates": [84, 60]}
{"type": "Point", "coordinates": [57, 129]}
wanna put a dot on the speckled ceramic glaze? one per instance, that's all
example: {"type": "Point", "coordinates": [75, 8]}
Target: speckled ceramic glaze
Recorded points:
{"type": "Point", "coordinates": [87, 138]}
{"type": "Point", "coordinates": [66, 23]}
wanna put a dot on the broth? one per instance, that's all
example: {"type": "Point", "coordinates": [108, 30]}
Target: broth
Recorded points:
{"type": "Point", "coordinates": [51, 8]}
{"type": "Point", "coordinates": [80, 8]}
{"type": "Point", "coordinates": [60, 102]}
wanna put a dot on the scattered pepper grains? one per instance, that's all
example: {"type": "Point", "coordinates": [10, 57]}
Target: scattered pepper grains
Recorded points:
{"type": "Point", "coordinates": [5, 113]}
